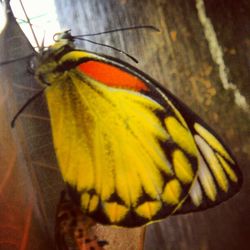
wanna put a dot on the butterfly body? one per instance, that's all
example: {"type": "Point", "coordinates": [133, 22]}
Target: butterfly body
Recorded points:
{"type": "Point", "coordinates": [129, 150]}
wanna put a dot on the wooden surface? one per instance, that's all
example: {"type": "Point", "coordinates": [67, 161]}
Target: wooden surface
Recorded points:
{"type": "Point", "coordinates": [202, 56]}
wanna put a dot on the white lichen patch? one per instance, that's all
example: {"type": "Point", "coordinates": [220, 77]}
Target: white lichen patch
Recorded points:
{"type": "Point", "coordinates": [217, 56]}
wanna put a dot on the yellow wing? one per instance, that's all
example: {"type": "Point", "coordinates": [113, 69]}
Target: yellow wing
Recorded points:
{"type": "Point", "coordinates": [130, 159]}
{"type": "Point", "coordinates": [130, 152]}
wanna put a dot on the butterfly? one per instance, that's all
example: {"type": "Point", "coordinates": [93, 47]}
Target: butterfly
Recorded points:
{"type": "Point", "coordinates": [129, 151]}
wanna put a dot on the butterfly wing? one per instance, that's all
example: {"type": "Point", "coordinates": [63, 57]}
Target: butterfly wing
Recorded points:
{"type": "Point", "coordinates": [129, 150]}
{"type": "Point", "coordinates": [127, 156]}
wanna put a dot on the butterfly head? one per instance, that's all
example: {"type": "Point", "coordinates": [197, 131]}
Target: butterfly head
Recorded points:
{"type": "Point", "coordinates": [49, 58]}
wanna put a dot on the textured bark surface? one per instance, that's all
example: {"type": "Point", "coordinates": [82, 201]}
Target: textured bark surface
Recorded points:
{"type": "Point", "coordinates": [201, 55]}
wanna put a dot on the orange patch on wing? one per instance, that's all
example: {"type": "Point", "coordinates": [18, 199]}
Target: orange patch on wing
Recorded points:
{"type": "Point", "coordinates": [111, 75]}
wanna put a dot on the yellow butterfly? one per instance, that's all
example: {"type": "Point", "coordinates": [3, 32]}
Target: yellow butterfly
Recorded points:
{"type": "Point", "coordinates": [129, 150]}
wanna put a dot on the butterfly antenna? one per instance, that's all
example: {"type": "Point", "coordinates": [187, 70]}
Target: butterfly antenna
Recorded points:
{"type": "Point", "coordinates": [25, 105]}
{"type": "Point", "coordinates": [82, 37]}
{"type": "Point", "coordinates": [109, 46]}
{"type": "Point", "coordinates": [150, 27]}
{"type": "Point", "coordinates": [30, 24]}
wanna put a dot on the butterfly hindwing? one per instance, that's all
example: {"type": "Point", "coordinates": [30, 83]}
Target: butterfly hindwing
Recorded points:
{"type": "Point", "coordinates": [129, 150]}
{"type": "Point", "coordinates": [119, 144]}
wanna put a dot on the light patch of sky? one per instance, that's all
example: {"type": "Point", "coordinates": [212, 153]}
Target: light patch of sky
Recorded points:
{"type": "Point", "coordinates": [2, 17]}
{"type": "Point", "coordinates": [42, 15]}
